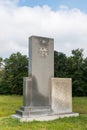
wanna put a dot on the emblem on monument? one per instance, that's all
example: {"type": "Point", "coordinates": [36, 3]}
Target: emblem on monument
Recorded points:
{"type": "Point", "coordinates": [43, 51]}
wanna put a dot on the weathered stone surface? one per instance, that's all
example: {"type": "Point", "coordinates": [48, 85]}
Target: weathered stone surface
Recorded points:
{"type": "Point", "coordinates": [37, 87]}
{"type": "Point", "coordinates": [27, 91]}
{"type": "Point", "coordinates": [44, 97]}
{"type": "Point", "coordinates": [61, 95]}
{"type": "Point", "coordinates": [27, 97]}
{"type": "Point", "coordinates": [41, 69]}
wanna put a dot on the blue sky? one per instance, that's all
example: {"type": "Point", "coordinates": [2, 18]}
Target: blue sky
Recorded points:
{"type": "Point", "coordinates": [54, 4]}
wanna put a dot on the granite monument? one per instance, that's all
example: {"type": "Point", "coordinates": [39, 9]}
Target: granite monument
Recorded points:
{"type": "Point", "coordinates": [44, 97]}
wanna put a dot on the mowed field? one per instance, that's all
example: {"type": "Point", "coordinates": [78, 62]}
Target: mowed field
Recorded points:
{"type": "Point", "coordinates": [9, 104]}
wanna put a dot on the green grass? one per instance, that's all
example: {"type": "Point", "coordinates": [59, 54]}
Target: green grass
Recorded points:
{"type": "Point", "coordinates": [9, 104]}
{"type": "Point", "coordinates": [80, 105]}
{"type": "Point", "coordinates": [74, 123]}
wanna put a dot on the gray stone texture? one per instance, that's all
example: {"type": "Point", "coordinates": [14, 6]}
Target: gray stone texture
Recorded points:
{"type": "Point", "coordinates": [27, 89]}
{"type": "Point", "coordinates": [45, 117]}
{"type": "Point", "coordinates": [41, 69]}
{"type": "Point", "coordinates": [61, 95]}
{"type": "Point", "coordinates": [44, 97]}
{"type": "Point", "coordinates": [37, 87]}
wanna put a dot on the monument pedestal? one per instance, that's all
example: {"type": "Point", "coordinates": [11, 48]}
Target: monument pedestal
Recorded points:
{"type": "Point", "coordinates": [61, 102]}
{"type": "Point", "coordinates": [44, 117]}
{"type": "Point", "coordinates": [29, 112]}
{"type": "Point", "coordinates": [29, 109]}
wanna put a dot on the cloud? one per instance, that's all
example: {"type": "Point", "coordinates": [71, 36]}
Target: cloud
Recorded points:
{"type": "Point", "coordinates": [67, 26]}
{"type": "Point", "coordinates": [8, 2]}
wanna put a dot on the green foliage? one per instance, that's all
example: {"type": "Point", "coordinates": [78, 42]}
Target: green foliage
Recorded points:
{"type": "Point", "coordinates": [1, 61]}
{"type": "Point", "coordinates": [60, 65]}
{"type": "Point", "coordinates": [74, 67]}
{"type": "Point", "coordinates": [16, 67]}
{"type": "Point", "coordinates": [75, 71]}
{"type": "Point", "coordinates": [1, 68]}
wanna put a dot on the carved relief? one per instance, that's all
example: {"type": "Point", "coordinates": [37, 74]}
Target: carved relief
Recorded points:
{"type": "Point", "coordinates": [43, 51]}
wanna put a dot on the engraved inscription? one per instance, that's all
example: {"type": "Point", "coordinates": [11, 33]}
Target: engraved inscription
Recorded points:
{"type": "Point", "coordinates": [43, 51]}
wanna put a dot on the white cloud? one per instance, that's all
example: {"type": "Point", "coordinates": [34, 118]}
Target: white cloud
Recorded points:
{"type": "Point", "coordinates": [8, 2]}
{"type": "Point", "coordinates": [67, 26]}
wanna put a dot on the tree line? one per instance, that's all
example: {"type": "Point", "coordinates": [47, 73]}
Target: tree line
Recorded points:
{"type": "Point", "coordinates": [14, 68]}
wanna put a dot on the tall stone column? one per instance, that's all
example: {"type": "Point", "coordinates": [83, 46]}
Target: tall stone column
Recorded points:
{"type": "Point", "coordinates": [41, 69]}
{"type": "Point", "coordinates": [37, 87]}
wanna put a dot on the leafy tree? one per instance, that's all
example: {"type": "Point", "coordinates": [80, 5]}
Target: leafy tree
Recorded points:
{"type": "Point", "coordinates": [1, 61]}
{"type": "Point", "coordinates": [75, 71]}
{"type": "Point", "coordinates": [60, 61]}
{"type": "Point", "coordinates": [16, 67]}
{"type": "Point", "coordinates": [1, 68]}
{"type": "Point", "coordinates": [85, 75]}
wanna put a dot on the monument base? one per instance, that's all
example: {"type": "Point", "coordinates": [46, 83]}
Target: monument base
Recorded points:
{"type": "Point", "coordinates": [44, 117]}
{"type": "Point", "coordinates": [33, 111]}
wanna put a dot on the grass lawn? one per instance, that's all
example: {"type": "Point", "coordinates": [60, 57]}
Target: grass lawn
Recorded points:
{"type": "Point", "coordinates": [9, 104]}
{"type": "Point", "coordinates": [80, 105]}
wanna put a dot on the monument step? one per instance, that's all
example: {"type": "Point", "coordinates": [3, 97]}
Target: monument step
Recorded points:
{"type": "Point", "coordinates": [32, 109]}
{"type": "Point", "coordinates": [33, 112]}
{"type": "Point", "coordinates": [40, 112]}
{"type": "Point", "coordinates": [22, 113]}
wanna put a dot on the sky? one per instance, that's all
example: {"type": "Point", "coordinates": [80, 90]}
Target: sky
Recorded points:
{"type": "Point", "coordinates": [63, 20]}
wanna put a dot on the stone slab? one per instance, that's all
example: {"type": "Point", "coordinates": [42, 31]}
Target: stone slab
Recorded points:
{"type": "Point", "coordinates": [41, 69]}
{"type": "Point", "coordinates": [44, 117]}
{"type": "Point", "coordinates": [61, 89]}
{"type": "Point", "coordinates": [27, 89]}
